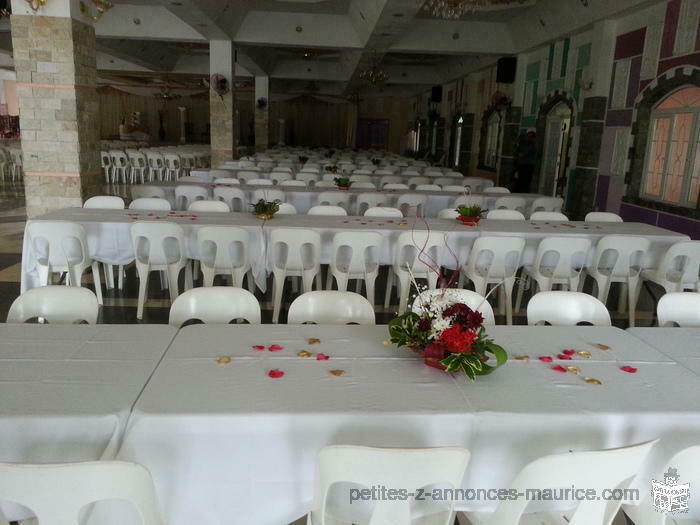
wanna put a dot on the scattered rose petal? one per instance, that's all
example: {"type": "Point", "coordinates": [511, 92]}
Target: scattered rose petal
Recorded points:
{"type": "Point", "coordinates": [568, 352]}
{"type": "Point", "coordinates": [629, 369]}
{"type": "Point", "coordinates": [304, 353]}
{"type": "Point", "coordinates": [584, 354]}
{"type": "Point", "coordinates": [224, 360]}
{"type": "Point", "coordinates": [602, 347]}
{"type": "Point", "coordinates": [564, 357]}
{"type": "Point", "coordinates": [322, 357]}
{"type": "Point", "coordinates": [574, 369]}
{"type": "Point", "coordinates": [275, 374]}
{"type": "Point", "coordinates": [337, 372]}
{"type": "Point", "coordinates": [592, 381]}
{"type": "Point", "coordinates": [522, 357]}
{"type": "Point", "coordinates": [313, 341]}
{"type": "Point", "coordinates": [275, 348]}
{"type": "Point", "coordinates": [558, 368]}
{"type": "Point", "coordinates": [258, 347]}
{"type": "Point", "coordinates": [545, 359]}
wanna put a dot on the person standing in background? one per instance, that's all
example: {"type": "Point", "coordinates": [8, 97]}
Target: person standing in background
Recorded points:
{"type": "Point", "coordinates": [525, 158]}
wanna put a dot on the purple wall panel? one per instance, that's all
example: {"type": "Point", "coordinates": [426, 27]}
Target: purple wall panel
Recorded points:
{"type": "Point", "coordinates": [619, 117]}
{"type": "Point", "coordinates": [630, 44]}
{"type": "Point", "coordinates": [680, 224]}
{"type": "Point", "coordinates": [633, 86]}
{"type": "Point", "coordinates": [601, 197]}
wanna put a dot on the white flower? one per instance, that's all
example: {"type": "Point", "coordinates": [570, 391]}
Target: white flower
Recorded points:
{"type": "Point", "coordinates": [438, 326]}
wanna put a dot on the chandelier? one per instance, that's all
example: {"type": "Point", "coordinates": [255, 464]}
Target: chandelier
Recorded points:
{"type": "Point", "coordinates": [374, 75]}
{"type": "Point", "coordinates": [454, 9]}
{"type": "Point", "coordinates": [166, 94]}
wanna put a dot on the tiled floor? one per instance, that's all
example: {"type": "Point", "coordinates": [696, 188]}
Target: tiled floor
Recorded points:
{"type": "Point", "coordinates": [120, 305]}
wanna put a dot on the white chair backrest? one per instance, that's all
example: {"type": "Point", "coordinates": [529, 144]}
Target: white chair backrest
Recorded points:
{"type": "Point", "coordinates": [452, 187]}
{"type": "Point", "coordinates": [57, 493]}
{"type": "Point", "coordinates": [215, 305]}
{"type": "Point", "coordinates": [324, 184]}
{"type": "Point", "coordinates": [475, 184]}
{"type": "Point", "coordinates": [448, 213]}
{"type": "Point", "coordinates": [499, 256]}
{"type": "Point", "coordinates": [360, 178]}
{"type": "Point", "coordinates": [268, 195]}
{"type": "Point", "coordinates": [247, 175]}
{"type": "Point", "coordinates": [215, 175]}
{"type": "Point", "coordinates": [395, 186]}
{"type": "Point", "coordinates": [234, 197]}
{"type": "Point", "coordinates": [681, 264]}
{"type": "Point", "coordinates": [326, 209]}
{"type": "Point", "coordinates": [547, 204]}
{"type": "Point", "coordinates": [331, 307]}
{"type": "Point", "coordinates": [402, 469]}
{"type": "Point", "coordinates": [223, 247]}
{"type": "Point", "coordinates": [566, 309]}
{"type": "Point", "coordinates": [469, 200]}
{"type": "Point", "coordinates": [681, 308]}
{"type": "Point", "coordinates": [57, 305]}
{"type": "Point", "coordinates": [105, 202]}
{"type": "Point", "coordinates": [597, 470]}
{"type": "Point", "coordinates": [566, 251]}
{"type": "Point", "coordinates": [355, 251]}
{"type": "Point", "coordinates": [548, 216]}
{"type": "Point", "coordinates": [370, 200]}
{"type": "Point", "coordinates": [511, 203]}
{"type": "Point", "coordinates": [411, 204]}
{"type": "Point", "coordinates": [333, 198]}
{"type": "Point", "coordinates": [159, 243]}
{"type": "Point", "coordinates": [260, 182]}
{"type": "Point", "coordinates": [215, 206]}
{"type": "Point", "coordinates": [187, 194]}
{"type": "Point", "coordinates": [602, 216]}
{"type": "Point", "coordinates": [286, 209]}
{"type": "Point", "coordinates": [295, 249]}
{"type": "Point", "coordinates": [191, 178]}
{"type": "Point", "coordinates": [496, 189]}
{"type": "Point", "coordinates": [381, 211]}
{"type": "Point", "coordinates": [390, 179]}
{"type": "Point", "coordinates": [505, 215]}
{"type": "Point", "coordinates": [419, 251]}
{"type": "Point", "coordinates": [443, 181]}
{"type": "Point", "coordinates": [282, 169]}
{"type": "Point", "coordinates": [449, 296]}
{"type": "Point", "coordinates": [147, 203]}
{"type": "Point", "coordinates": [620, 255]}
{"type": "Point", "coordinates": [428, 187]}
{"type": "Point", "coordinates": [414, 181]}
{"type": "Point", "coordinates": [59, 244]}
{"type": "Point", "coordinates": [293, 183]}
{"type": "Point", "coordinates": [308, 178]}
{"type": "Point", "coordinates": [364, 185]}
{"type": "Point", "coordinates": [227, 180]}
{"type": "Point", "coordinates": [147, 192]}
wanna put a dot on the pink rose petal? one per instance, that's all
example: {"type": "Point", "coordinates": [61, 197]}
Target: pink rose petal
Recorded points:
{"type": "Point", "coordinates": [629, 369]}
{"type": "Point", "coordinates": [322, 357]}
{"type": "Point", "coordinates": [258, 347]}
{"type": "Point", "coordinates": [275, 348]}
{"type": "Point", "coordinates": [275, 374]}
{"type": "Point", "coordinates": [568, 352]}
{"type": "Point", "coordinates": [545, 359]}
{"type": "Point", "coordinates": [559, 368]}
{"type": "Point", "coordinates": [564, 357]}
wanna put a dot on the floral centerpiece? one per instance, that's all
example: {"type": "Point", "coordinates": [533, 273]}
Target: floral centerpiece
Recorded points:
{"type": "Point", "coordinates": [331, 169]}
{"type": "Point", "coordinates": [343, 183]}
{"type": "Point", "coordinates": [470, 215]}
{"type": "Point", "coordinates": [265, 210]}
{"type": "Point", "coordinates": [303, 159]}
{"type": "Point", "coordinates": [450, 336]}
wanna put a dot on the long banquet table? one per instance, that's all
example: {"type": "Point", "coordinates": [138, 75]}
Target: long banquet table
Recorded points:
{"type": "Point", "coordinates": [304, 198]}
{"type": "Point", "coordinates": [109, 238]}
{"type": "Point", "coordinates": [226, 443]}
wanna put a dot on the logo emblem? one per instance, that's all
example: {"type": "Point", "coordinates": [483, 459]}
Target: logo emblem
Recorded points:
{"type": "Point", "coordinates": [669, 496]}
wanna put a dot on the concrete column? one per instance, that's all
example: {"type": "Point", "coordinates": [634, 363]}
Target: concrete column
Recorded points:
{"type": "Point", "coordinates": [183, 119]}
{"type": "Point", "coordinates": [282, 141]}
{"type": "Point", "coordinates": [262, 115]}
{"type": "Point", "coordinates": [54, 52]}
{"type": "Point", "coordinates": [224, 133]}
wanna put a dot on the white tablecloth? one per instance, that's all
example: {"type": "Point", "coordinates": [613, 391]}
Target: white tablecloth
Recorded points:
{"type": "Point", "coordinates": [66, 391]}
{"type": "Point", "coordinates": [109, 238]}
{"type": "Point", "coordinates": [680, 344]}
{"type": "Point", "coordinates": [221, 440]}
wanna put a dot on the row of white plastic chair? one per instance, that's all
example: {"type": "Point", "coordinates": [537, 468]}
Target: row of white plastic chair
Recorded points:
{"type": "Point", "coordinates": [131, 165]}
{"type": "Point", "coordinates": [11, 165]}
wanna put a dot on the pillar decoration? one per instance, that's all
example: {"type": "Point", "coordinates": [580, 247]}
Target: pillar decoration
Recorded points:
{"type": "Point", "coordinates": [222, 103]}
{"type": "Point", "coordinates": [262, 113]}
{"type": "Point", "coordinates": [183, 119]}
{"type": "Point", "coordinates": [59, 108]}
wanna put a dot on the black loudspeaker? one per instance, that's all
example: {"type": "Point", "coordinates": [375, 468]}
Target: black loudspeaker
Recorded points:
{"type": "Point", "coordinates": [505, 73]}
{"type": "Point", "coordinates": [436, 94]}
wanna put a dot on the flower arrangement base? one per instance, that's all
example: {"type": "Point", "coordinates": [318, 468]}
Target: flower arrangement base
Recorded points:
{"type": "Point", "coordinates": [468, 221]}
{"type": "Point", "coordinates": [264, 216]}
{"type": "Point", "coordinates": [343, 188]}
{"type": "Point", "coordinates": [435, 363]}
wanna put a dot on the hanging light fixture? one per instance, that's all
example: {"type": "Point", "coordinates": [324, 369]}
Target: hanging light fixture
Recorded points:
{"type": "Point", "coordinates": [455, 9]}
{"type": "Point", "coordinates": [374, 75]}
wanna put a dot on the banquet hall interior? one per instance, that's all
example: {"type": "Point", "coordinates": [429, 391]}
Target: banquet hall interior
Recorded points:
{"type": "Point", "coordinates": [317, 250]}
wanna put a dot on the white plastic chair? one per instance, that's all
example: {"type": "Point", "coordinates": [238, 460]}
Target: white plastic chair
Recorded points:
{"type": "Point", "coordinates": [286, 209]}
{"type": "Point", "coordinates": [419, 251]}
{"type": "Point", "coordinates": [187, 194]}
{"type": "Point", "coordinates": [227, 180]}
{"type": "Point", "coordinates": [147, 203]}
{"type": "Point", "coordinates": [452, 187]}
{"type": "Point", "coordinates": [269, 195]}
{"type": "Point", "coordinates": [566, 309]}
{"type": "Point", "coordinates": [223, 250]}
{"type": "Point", "coordinates": [158, 246]}
{"type": "Point", "coordinates": [401, 469]}
{"type": "Point", "coordinates": [681, 308]}
{"type": "Point", "coordinates": [450, 296]}
{"type": "Point", "coordinates": [324, 184]}
{"type": "Point", "coordinates": [294, 253]}
{"type": "Point", "coordinates": [496, 189]}
{"type": "Point", "coordinates": [413, 181]}
{"type": "Point", "coordinates": [355, 256]}
{"type": "Point", "coordinates": [382, 211]}
{"type": "Point", "coordinates": [390, 179]}
{"type": "Point", "coordinates": [282, 169]}
{"type": "Point", "coordinates": [618, 259]}
{"type": "Point", "coordinates": [280, 176]}
{"type": "Point", "coordinates": [293, 184]}
{"type": "Point", "coordinates": [371, 200]}
{"type": "Point", "coordinates": [259, 182]}
{"type": "Point", "coordinates": [443, 181]}
{"type": "Point", "coordinates": [245, 176]}
{"type": "Point", "coordinates": [547, 204]}
{"type": "Point", "coordinates": [511, 203]}
{"type": "Point", "coordinates": [55, 304]}
{"type": "Point", "coordinates": [679, 268]}
{"type": "Point", "coordinates": [218, 175]}
{"type": "Point", "coordinates": [61, 246]}
{"type": "Point", "coordinates": [147, 192]}
{"type": "Point", "coordinates": [173, 166]}
{"type": "Point", "coordinates": [331, 307]}
{"type": "Point", "coordinates": [364, 185]}
{"type": "Point", "coordinates": [411, 204]}
{"type": "Point", "coordinates": [138, 164]}
{"type": "Point", "coordinates": [428, 187]}
{"type": "Point", "coordinates": [561, 270]}
{"type": "Point", "coordinates": [327, 210]}
{"type": "Point", "coordinates": [475, 184]}
{"type": "Point", "coordinates": [309, 178]}
{"type": "Point", "coordinates": [495, 260]}
{"type": "Point", "coordinates": [191, 179]}
{"type": "Point", "coordinates": [548, 216]}
{"type": "Point", "coordinates": [215, 305]}
{"type": "Point", "coordinates": [360, 178]}
{"type": "Point", "coordinates": [234, 198]}
{"type": "Point", "coordinates": [395, 186]}
{"type": "Point", "coordinates": [104, 202]}
{"type": "Point", "coordinates": [120, 166]}
{"type": "Point", "coordinates": [156, 165]}
{"type": "Point", "coordinates": [505, 215]}
{"type": "Point", "coordinates": [333, 198]}
{"type": "Point", "coordinates": [56, 493]}
{"type": "Point", "coordinates": [602, 216]}
{"type": "Point", "coordinates": [106, 164]}
{"type": "Point", "coordinates": [448, 213]}
{"type": "Point", "coordinates": [213, 206]}
{"type": "Point", "coordinates": [599, 470]}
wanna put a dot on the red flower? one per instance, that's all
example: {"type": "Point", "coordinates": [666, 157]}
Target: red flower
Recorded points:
{"type": "Point", "coordinates": [423, 325]}
{"type": "Point", "coordinates": [275, 348]}
{"type": "Point", "coordinates": [568, 352]}
{"type": "Point", "coordinates": [275, 374]}
{"type": "Point", "coordinates": [463, 315]}
{"type": "Point", "coordinates": [457, 339]}
{"type": "Point", "coordinates": [564, 357]}
{"type": "Point", "coordinates": [258, 347]}
{"type": "Point", "coordinates": [545, 358]}
{"type": "Point", "coordinates": [629, 369]}
{"type": "Point", "coordinates": [434, 351]}
{"type": "Point", "coordinates": [559, 368]}
{"type": "Point", "coordinates": [322, 357]}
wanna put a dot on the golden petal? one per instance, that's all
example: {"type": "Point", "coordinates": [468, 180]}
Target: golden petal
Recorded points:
{"type": "Point", "coordinates": [584, 354]}
{"type": "Point", "coordinates": [224, 360]}
{"type": "Point", "coordinates": [304, 353]}
{"type": "Point", "coordinates": [314, 341]}
{"type": "Point", "coordinates": [602, 347]}
{"type": "Point", "coordinates": [574, 369]}
{"type": "Point", "coordinates": [522, 357]}
{"type": "Point", "coordinates": [337, 372]}
{"type": "Point", "coordinates": [592, 381]}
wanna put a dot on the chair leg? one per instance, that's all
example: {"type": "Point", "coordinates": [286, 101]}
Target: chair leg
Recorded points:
{"type": "Point", "coordinates": [143, 289]}
{"type": "Point", "coordinates": [389, 286]}
{"type": "Point", "coordinates": [524, 279]}
{"type": "Point", "coordinates": [329, 279]}
{"type": "Point", "coordinates": [277, 290]}
{"type": "Point", "coordinates": [173, 274]}
{"type": "Point", "coordinates": [109, 276]}
{"type": "Point", "coordinates": [369, 287]}
{"type": "Point", "coordinates": [251, 282]}
{"type": "Point", "coordinates": [403, 289]}
{"type": "Point", "coordinates": [622, 300]}
{"type": "Point", "coordinates": [97, 281]}
{"type": "Point", "coordinates": [120, 269]}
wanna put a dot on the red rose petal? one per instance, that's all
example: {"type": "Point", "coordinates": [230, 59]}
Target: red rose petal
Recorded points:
{"type": "Point", "coordinates": [258, 347]}
{"type": "Point", "coordinates": [545, 359]}
{"type": "Point", "coordinates": [568, 352]}
{"type": "Point", "coordinates": [629, 369]}
{"type": "Point", "coordinates": [564, 357]}
{"type": "Point", "coordinates": [275, 374]}
{"type": "Point", "coordinates": [275, 348]}
{"type": "Point", "coordinates": [322, 357]}
{"type": "Point", "coordinates": [559, 368]}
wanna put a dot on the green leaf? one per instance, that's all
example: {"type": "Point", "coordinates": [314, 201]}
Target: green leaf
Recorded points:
{"type": "Point", "coordinates": [498, 351]}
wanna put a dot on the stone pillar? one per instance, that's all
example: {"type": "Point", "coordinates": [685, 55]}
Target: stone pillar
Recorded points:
{"type": "Point", "coordinates": [282, 141]}
{"type": "Point", "coordinates": [262, 114]}
{"type": "Point", "coordinates": [222, 108]}
{"type": "Point", "coordinates": [183, 119]}
{"type": "Point", "coordinates": [54, 52]}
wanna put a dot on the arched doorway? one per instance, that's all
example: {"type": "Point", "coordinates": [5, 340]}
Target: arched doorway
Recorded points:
{"type": "Point", "coordinates": [556, 150]}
